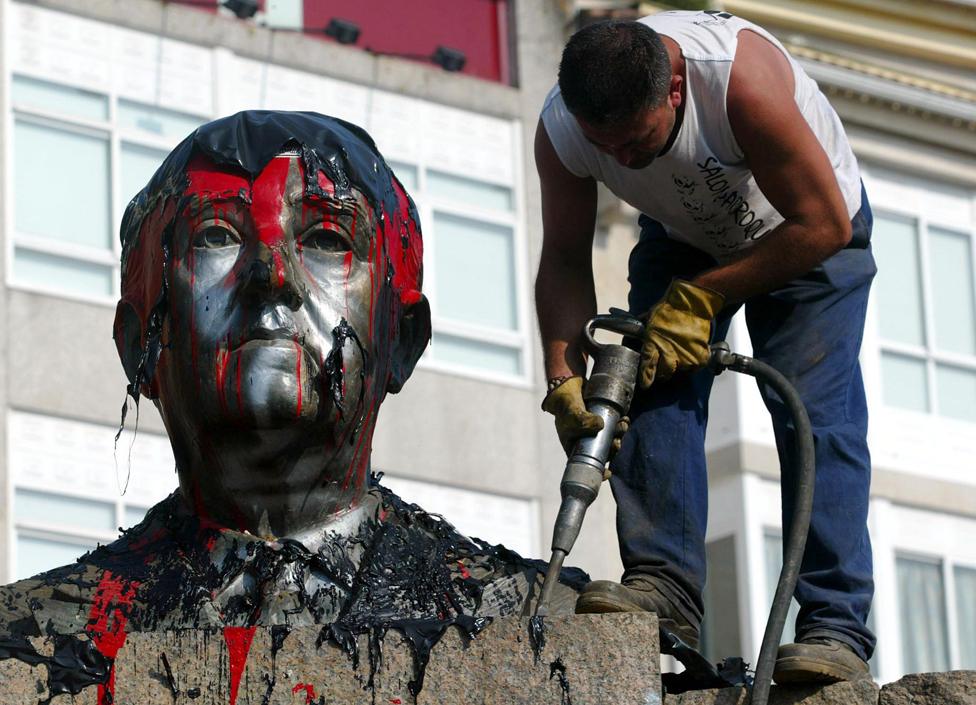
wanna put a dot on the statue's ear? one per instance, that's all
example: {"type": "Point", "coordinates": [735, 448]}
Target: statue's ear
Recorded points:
{"type": "Point", "coordinates": [127, 333]}
{"type": "Point", "coordinates": [414, 334]}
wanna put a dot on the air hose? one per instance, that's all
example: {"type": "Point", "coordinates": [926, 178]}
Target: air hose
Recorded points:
{"type": "Point", "coordinates": [723, 359]}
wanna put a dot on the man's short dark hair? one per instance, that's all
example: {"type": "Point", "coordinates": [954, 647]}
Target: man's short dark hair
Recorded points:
{"type": "Point", "coordinates": [612, 70]}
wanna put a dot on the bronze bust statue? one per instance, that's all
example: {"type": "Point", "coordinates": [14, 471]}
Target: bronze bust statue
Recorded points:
{"type": "Point", "coordinates": [271, 297]}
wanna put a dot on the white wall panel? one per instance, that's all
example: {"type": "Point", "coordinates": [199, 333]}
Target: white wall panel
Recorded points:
{"type": "Point", "coordinates": [102, 57]}
{"type": "Point", "coordinates": [64, 456]}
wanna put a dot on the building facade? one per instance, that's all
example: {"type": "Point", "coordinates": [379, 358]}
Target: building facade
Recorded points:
{"type": "Point", "coordinates": [93, 95]}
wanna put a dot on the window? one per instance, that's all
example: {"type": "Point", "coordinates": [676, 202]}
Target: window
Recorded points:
{"type": "Point", "coordinates": [78, 158]}
{"type": "Point", "coordinates": [965, 585]}
{"type": "Point", "coordinates": [921, 611]}
{"type": "Point", "coordinates": [926, 301]}
{"type": "Point", "coordinates": [937, 614]}
{"type": "Point", "coordinates": [472, 274]}
{"type": "Point", "coordinates": [65, 498]}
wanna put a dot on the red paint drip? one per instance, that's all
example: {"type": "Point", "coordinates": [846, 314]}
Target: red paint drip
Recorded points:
{"type": "Point", "coordinates": [279, 268]}
{"type": "Point", "coordinates": [464, 571]}
{"type": "Point", "coordinates": [298, 377]}
{"type": "Point", "coordinates": [238, 640]}
{"type": "Point", "coordinates": [222, 360]}
{"type": "Point", "coordinates": [309, 691]}
{"type": "Point", "coordinates": [267, 204]}
{"type": "Point", "coordinates": [111, 600]}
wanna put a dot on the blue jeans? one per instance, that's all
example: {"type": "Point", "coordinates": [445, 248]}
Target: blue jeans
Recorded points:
{"type": "Point", "coordinates": [810, 330]}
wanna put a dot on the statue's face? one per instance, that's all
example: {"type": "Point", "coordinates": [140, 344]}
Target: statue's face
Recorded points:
{"type": "Point", "coordinates": [267, 312]}
{"type": "Point", "coordinates": [271, 296]}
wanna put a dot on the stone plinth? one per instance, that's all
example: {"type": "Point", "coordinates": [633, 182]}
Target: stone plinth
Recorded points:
{"type": "Point", "coordinates": [586, 660]}
{"type": "Point", "coordinates": [952, 688]}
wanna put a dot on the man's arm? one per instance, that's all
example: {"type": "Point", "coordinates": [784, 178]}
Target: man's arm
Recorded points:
{"type": "Point", "coordinates": [564, 292]}
{"type": "Point", "coordinates": [791, 169]}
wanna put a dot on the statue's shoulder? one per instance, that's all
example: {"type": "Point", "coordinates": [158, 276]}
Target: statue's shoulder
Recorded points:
{"type": "Point", "coordinates": [62, 600]}
{"type": "Point", "coordinates": [55, 601]}
{"type": "Point", "coordinates": [497, 580]}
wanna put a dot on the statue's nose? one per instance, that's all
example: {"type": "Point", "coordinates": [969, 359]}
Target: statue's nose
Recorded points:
{"type": "Point", "coordinates": [270, 274]}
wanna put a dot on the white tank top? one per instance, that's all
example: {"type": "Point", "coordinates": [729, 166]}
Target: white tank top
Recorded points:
{"type": "Point", "coordinates": [702, 190]}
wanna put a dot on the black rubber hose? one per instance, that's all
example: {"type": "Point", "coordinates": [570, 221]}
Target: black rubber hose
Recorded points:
{"type": "Point", "coordinates": [803, 508]}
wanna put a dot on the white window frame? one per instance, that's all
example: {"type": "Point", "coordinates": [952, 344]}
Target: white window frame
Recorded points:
{"type": "Point", "coordinates": [85, 538]}
{"type": "Point", "coordinates": [517, 339]}
{"type": "Point", "coordinates": [115, 135]}
{"type": "Point", "coordinates": [927, 353]}
{"type": "Point", "coordinates": [947, 565]}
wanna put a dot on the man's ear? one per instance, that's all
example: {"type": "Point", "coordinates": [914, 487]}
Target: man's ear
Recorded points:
{"type": "Point", "coordinates": [410, 343]}
{"type": "Point", "coordinates": [127, 333]}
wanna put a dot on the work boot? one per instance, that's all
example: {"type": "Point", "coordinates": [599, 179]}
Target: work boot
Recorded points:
{"type": "Point", "coordinates": [818, 660]}
{"type": "Point", "coordinates": [638, 594]}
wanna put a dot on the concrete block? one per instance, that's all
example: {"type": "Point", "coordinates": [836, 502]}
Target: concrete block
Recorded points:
{"type": "Point", "coordinates": [951, 688]}
{"type": "Point", "coordinates": [864, 692]}
{"type": "Point", "coordinates": [586, 660]}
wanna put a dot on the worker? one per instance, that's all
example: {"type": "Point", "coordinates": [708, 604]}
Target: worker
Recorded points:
{"type": "Point", "coordinates": [749, 195]}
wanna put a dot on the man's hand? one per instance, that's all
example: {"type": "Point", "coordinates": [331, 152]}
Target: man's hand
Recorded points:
{"type": "Point", "coordinates": [573, 421]}
{"type": "Point", "coordinates": [677, 331]}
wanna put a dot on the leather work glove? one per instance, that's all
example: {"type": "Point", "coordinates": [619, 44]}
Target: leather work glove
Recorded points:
{"type": "Point", "coordinates": [573, 421]}
{"type": "Point", "coordinates": [676, 331]}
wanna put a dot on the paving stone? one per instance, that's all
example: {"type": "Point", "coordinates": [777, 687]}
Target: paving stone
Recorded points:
{"type": "Point", "coordinates": [863, 692]}
{"type": "Point", "coordinates": [604, 659]}
{"type": "Point", "coordinates": [951, 688]}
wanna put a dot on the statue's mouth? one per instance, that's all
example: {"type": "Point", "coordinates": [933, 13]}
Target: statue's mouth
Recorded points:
{"type": "Point", "coordinates": [270, 336]}
{"type": "Point", "coordinates": [286, 340]}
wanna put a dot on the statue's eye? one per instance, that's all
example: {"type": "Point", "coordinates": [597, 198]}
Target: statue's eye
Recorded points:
{"type": "Point", "coordinates": [319, 238]}
{"type": "Point", "coordinates": [216, 236]}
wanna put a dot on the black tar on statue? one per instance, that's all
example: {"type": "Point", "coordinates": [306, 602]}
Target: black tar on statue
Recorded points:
{"type": "Point", "coordinates": [398, 567]}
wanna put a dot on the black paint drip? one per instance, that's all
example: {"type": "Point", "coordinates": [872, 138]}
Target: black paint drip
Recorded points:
{"type": "Point", "coordinates": [423, 634]}
{"type": "Point", "coordinates": [75, 664]}
{"type": "Point", "coordinates": [334, 364]}
{"type": "Point", "coordinates": [170, 681]}
{"type": "Point", "coordinates": [279, 632]}
{"type": "Point", "coordinates": [537, 635]}
{"type": "Point", "coordinates": [557, 669]}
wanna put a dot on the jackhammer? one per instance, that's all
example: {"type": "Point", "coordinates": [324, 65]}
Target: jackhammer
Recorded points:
{"type": "Point", "coordinates": [608, 394]}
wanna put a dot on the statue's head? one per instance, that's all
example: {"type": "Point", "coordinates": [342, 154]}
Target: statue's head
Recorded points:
{"type": "Point", "coordinates": [271, 297]}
